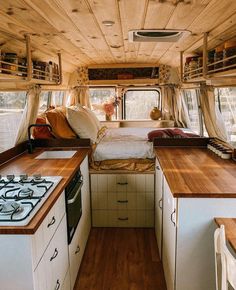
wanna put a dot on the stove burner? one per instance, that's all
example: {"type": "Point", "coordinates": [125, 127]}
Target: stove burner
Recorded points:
{"type": "Point", "coordinates": [25, 192]}
{"type": "Point", "coordinates": [23, 177]}
{"type": "Point", "coordinates": [10, 177]}
{"type": "Point", "coordinates": [9, 207]}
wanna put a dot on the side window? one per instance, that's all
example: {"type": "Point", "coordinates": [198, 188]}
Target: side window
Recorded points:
{"type": "Point", "coordinates": [12, 105]}
{"type": "Point", "coordinates": [226, 100]}
{"type": "Point", "coordinates": [137, 104]}
{"type": "Point", "coordinates": [57, 98]}
{"type": "Point", "coordinates": [44, 101]}
{"type": "Point", "coordinates": [98, 97]}
{"type": "Point", "coordinates": [191, 101]}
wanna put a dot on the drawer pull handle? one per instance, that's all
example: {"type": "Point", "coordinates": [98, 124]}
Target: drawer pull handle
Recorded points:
{"type": "Point", "coordinates": [160, 203]}
{"type": "Point", "coordinates": [122, 183]}
{"type": "Point", "coordinates": [158, 167]}
{"type": "Point", "coordinates": [123, 219]}
{"type": "Point", "coordinates": [171, 218]}
{"type": "Point", "coordinates": [58, 285]}
{"type": "Point", "coordinates": [77, 250]}
{"type": "Point", "coordinates": [51, 222]}
{"type": "Point", "coordinates": [122, 201]}
{"type": "Point", "coordinates": [54, 255]}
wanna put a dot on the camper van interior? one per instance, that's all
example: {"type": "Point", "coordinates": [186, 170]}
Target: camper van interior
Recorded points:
{"type": "Point", "coordinates": [117, 144]}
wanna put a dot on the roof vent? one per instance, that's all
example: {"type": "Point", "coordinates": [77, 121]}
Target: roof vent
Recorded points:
{"type": "Point", "coordinates": [156, 35]}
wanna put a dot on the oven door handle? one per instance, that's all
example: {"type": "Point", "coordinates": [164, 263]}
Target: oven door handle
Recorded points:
{"type": "Point", "coordinates": [73, 199]}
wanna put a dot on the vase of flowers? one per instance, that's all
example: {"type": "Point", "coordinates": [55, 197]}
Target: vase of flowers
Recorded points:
{"type": "Point", "coordinates": [109, 110]}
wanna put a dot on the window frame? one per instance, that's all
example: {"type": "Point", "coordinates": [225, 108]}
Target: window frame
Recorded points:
{"type": "Point", "coordinates": [123, 105]}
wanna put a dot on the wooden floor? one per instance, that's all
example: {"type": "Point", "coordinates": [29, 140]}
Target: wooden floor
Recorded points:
{"type": "Point", "coordinates": [121, 259]}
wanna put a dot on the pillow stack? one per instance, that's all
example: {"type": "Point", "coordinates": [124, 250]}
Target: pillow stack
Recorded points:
{"type": "Point", "coordinates": [71, 122]}
{"type": "Point", "coordinates": [84, 122]}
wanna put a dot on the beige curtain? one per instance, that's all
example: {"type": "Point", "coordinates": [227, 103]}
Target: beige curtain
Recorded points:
{"type": "Point", "coordinates": [180, 109]}
{"type": "Point", "coordinates": [79, 92]}
{"type": "Point", "coordinates": [168, 94]}
{"type": "Point", "coordinates": [174, 107]}
{"type": "Point", "coordinates": [213, 120]}
{"type": "Point", "coordinates": [30, 113]}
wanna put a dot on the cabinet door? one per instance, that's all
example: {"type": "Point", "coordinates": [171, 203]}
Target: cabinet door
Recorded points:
{"type": "Point", "coordinates": [169, 236]}
{"type": "Point", "coordinates": [51, 271]}
{"type": "Point", "coordinates": [158, 206]}
{"type": "Point", "coordinates": [85, 191]}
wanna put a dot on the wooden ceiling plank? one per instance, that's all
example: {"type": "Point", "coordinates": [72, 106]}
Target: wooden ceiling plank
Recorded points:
{"type": "Point", "coordinates": [108, 10]}
{"type": "Point", "coordinates": [58, 19]}
{"type": "Point", "coordinates": [131, 18]}
{"type": "Point", "coordinates": [210, 17]}
{"type": "Point", "coordinates": [83, 18]}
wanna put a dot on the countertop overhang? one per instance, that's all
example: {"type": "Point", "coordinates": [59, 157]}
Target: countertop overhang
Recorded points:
{"type": "Point", "coordinates": [197, 172]}
{"type": "Point", "coordinates": [27, 164]}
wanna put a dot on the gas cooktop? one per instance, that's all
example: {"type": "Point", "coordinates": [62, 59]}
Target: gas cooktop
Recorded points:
{"type": "Point", "coordinates": [21, 197]}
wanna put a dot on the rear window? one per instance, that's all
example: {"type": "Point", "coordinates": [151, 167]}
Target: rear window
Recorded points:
{"type": "Point", "coordinates": [139, 103]}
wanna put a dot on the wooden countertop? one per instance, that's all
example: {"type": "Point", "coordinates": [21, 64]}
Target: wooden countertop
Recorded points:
{"type": "Point", "coordinates": [230, 229]}
{"type": "Point", "coordinates": [26, 163]}
{"type": "Point", "coordinates": [197, 172]}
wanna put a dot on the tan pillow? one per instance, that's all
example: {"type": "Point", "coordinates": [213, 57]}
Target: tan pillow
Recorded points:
{"type": "Point", "coordinates": [60, 126]}
{"type": "Point", "coordinates": [93, 117]}
{"type": "Point", "coordinates": [82, 124]}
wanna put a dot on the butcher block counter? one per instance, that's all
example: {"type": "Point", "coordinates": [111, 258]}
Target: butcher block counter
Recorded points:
{"type": "Point", "coordinates": [27, 164]}
{"type": "Point", "coordinates": [197, 172]}
{"type": "Point", "coordinates": [230, 230]}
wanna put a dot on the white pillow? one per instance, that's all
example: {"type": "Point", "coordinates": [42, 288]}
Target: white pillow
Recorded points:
{"type": "Point", "coordinates": [94, 117]}
{"type": "Point", "coordinates": [82, 124]}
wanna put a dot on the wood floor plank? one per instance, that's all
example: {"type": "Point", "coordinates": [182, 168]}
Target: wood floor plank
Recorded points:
{"type": "Point", "coordinates": [121, 259]}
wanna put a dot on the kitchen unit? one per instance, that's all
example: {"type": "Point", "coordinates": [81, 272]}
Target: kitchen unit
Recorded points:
{"type": "Point", "coordinates": [197, 186]}
{"type": "Point", "coordinates": [37, 254]}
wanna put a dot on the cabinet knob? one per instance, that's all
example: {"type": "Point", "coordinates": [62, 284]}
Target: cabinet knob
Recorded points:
{"type": "Point", "coordinates": [51, 222]}
{"type": "Point", "coordinates": [158, 167]}
{"type": "Point", "coordinates": [54, 254]}
{"type": "Point", "coordinates": [58, 285]}
{"type": "Point", "coordinates": [77, 249]}
{"type": "Point", "coordinates": [171, 218]}
{"type": "Point", "coordinates": [122, 183]}
{"type": "Point", "coordinates": [123, 219]}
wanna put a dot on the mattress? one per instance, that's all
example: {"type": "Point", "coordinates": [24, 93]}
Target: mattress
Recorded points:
{"type": "Point", "coordinates": [124, 143]}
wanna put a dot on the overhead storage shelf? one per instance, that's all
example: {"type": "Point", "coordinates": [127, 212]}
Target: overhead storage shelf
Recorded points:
{"type": "Point", "coordinates": [30, 71]}
{"type": "Point", "coordinates": [204, 69]}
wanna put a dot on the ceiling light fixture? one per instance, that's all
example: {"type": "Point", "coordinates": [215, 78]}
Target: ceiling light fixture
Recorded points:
{"type": "Point", "coordinates": [108, 22]}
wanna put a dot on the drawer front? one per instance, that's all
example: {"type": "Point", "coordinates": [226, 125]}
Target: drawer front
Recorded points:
{"type": "Point", "coordinates": [66, 283]}
{"type": "Point", "coordinates": [43, 235]}
{"type": "Point", "coordinates": [123, 218]}
{"type": "Point", "coordinates": [52, 269]}
{"type": "Point", "coordinates": [77, 248]}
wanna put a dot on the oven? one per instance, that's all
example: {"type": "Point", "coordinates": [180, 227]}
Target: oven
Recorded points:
{"type": "Point", "coordinates": [73, 204]}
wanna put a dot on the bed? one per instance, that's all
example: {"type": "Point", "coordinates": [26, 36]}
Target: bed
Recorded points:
{"type": "Point", "coordinates": [124, 149]}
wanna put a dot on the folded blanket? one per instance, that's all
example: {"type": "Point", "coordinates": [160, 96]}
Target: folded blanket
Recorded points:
{"type": "Point", "coordinates": [170, 133]}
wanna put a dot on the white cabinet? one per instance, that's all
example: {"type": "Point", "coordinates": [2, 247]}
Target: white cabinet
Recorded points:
{"type": "Point", "coordinates": [120, 200]}
{"type": "Point", "coordinates": [52, 269]}
{"type": "Point", "coordinates": [79, 241]}
{"type": "Point", "coordinates": [188, 246]}
{"type": "Point", "coordinates": [169, 236]}
{"type": "Point", "coordinates": [39, 261]}
{"type": "Point", "coordinates": [158, 206]}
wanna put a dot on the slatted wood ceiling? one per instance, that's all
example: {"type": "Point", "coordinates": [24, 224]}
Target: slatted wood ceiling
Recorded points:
{"type": "Point", "coordinates": [74, 27]}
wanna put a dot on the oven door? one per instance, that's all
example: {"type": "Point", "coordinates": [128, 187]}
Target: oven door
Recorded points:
{"type": "Point", "coordinates": [74, 209]}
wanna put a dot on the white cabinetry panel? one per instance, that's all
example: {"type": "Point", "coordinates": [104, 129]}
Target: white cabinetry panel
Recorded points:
{"type": "Point", "coordinates": [128, 200]}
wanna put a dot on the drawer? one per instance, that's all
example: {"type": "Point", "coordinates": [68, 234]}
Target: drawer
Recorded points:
{"type": "Point", "coordinates": [45, 232]}
{"type": "Point", "coordinates": [145, 218]}
{"type": "Point", "coordinates": [122, 218]}
{"type": "Point", "coordinates": [77, 248]}
{"type": "Point", "coordinates": [51, 271]}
